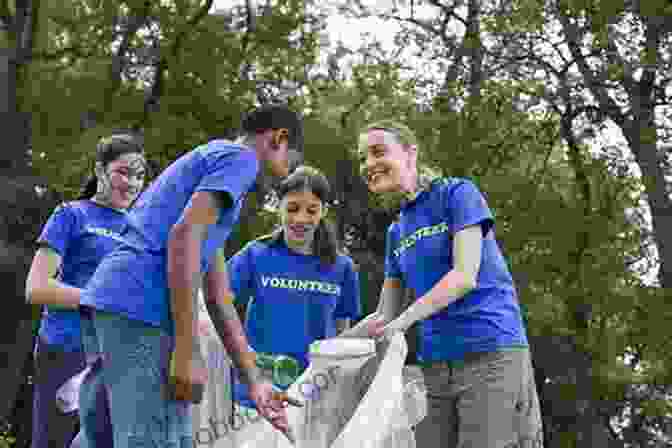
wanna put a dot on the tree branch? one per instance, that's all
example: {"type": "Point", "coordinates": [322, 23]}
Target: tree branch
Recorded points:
{"type": "Point", "coordinates": [652, 36]}
{"type": "Point", "coordinates": [191, 23]}
{"type": "Point", "coordinates": [615, 58]}
{"type": "Point", "coordinates": [135, 22]}
{"type": "Point", "coordinates": [473, 42]}
{"type": "Point", "coordinates": [449, 11]}
{"type": "Point", "coordinates": [59, 54]}
{"type": "Point", "coordinates": [156, 89]}
{"type": "Point", "coordinates": [5, 15]}
{"type": "Point", "coordinates": [245, 44]}
{"type": "Point", "coordinates": [440, 33]}
{"type": "Point", "coordinates": [24, 24]}
{"type": "Point", "coordinates": [600, 93]}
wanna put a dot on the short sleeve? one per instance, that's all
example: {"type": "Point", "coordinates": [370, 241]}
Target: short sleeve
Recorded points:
{"type": "Point", "coordinates": [392, 269]}
{"type": "Point", "coordinates": [229, 170]}
{"type": "Point", "coordinates": [241, 274]}
{"type": "Point", "coordinates": [350, 305]}
{"type": "Point", "coordinates": [59, 229]}
{"type": "Point", "coordinates": [466, 207]}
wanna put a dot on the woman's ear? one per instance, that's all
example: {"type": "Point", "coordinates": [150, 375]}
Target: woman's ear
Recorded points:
{"type": "Point", "coordinates": [412, 156]}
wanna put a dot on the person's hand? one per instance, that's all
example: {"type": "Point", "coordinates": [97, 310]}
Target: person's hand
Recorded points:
{"type": "Point", "coordinates": [375, 326]}
{"type": "Point", "coordinates": [187, 376]}
{"type": "Point", "coordinates": [271, 405]}
{"type": "Point", "coordinates": [380, 330]}
{"type": "Point", "coordinates": [369, 327]}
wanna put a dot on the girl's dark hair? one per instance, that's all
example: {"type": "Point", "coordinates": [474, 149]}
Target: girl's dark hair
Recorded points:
{"type": "Point", "coordinates": [306, 178]}
{"type": "Point", "coordinates": [108, 150]}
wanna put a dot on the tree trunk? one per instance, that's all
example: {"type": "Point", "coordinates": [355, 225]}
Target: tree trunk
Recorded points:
{"type": "Point", "coordinates": [24, 213]}
{"type": "Point", "coordinates": [473, 43]}
{"type": "Point", "coordinates": [21, 208]}
{"type": "Point", "coordinates": [638, 127]}
{"type": "Point", "coordinates": [640, 135]}
{"type": "Point", "coordinates": [10, 119]}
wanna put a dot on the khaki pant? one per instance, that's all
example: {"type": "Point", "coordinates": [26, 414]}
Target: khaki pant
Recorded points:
{"type": "Point", "coordinates": [488, 401]}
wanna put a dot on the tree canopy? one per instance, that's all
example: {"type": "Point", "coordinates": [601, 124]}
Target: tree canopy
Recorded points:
{"type": "Point", "coordinates": [558, 110]}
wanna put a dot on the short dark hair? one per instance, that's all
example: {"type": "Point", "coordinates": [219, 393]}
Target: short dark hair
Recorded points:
{"type": "Point", "coordinates": [275, 116]}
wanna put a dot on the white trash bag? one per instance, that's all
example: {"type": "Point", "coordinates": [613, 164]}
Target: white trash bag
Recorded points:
{"type": "Point", "coordinates": [211, 419]}
{"type": "Point", "coordinates": [381, 418]}
{"type": "Point", "coordinates": [67, 395]}
{"type": "Point", "coordinates": [356, 393]}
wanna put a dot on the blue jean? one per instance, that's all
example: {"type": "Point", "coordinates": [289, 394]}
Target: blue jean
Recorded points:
{"type": "Point", "coordinates": [94, 409]}
{"type": "Point", "coordinates": [135, 357]}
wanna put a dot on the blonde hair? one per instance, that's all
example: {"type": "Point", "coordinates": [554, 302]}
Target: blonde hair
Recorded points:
{"type": "Point", "coordinates": [401, 131]}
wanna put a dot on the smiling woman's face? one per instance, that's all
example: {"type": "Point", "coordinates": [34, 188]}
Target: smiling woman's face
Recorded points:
{"type": "Point", "coordinates": [123, 179]}
{"type": "Point", "coordinates": [386, 163]}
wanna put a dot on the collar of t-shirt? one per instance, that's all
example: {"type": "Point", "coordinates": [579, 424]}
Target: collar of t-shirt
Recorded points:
{"type": "Point", "coordinates": [408, 202]}
{"type": "Point", "coordinates": [278, 240]}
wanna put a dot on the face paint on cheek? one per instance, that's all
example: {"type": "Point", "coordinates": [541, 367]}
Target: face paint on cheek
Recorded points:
{"type": "Point", "coordinates": [104, 188]}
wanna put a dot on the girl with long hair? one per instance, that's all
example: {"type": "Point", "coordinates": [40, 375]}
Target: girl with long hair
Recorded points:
{"type": "Point", "coordinates": [76, 237]}
{"type": "Point", "coordinates": [298, 285]}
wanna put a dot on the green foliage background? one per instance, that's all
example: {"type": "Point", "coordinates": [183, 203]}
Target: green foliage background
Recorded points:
{"type": "Point", "coordinates": [563, 212]}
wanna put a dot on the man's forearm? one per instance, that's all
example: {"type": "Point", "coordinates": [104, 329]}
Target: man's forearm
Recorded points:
{"type": "Point", "coordinates": [183, 272]}
{"type": "Point", "coordinates": [55, 294]}
{"type": "Point", "coordinates": [230, 330]}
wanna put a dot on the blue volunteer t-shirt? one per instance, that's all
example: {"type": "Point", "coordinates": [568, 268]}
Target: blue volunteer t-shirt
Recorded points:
{"type": "Point", "coordinates": [419, 252]}
{"type": "Point", "coordinates": [82, 233]}
{"type": "Point", "coordinates": [294, 299]}
{"type": "Point", "coordinates": [132, 280]}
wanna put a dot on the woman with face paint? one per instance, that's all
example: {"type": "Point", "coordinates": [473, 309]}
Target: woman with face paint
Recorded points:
{"type": "Point", "coordinates": [74, 240]}
{"type": "Point", "coordinates": [473, 346]}
{"type": "Point", "coordinates": [298, 286]}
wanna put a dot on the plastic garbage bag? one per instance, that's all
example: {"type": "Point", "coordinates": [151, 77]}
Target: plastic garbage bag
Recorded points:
{"type": "Point", "coordinates": [338, 377]}
{"type": "Point", "coordinates": [211, 419]}
{"type": "Point", "coordinates": [415, 395]}
{"type": "Point", "coordinates": [356, 393]}
{"type": "Point", "coordinates": [67, 396]}
{"type": "Point", "coordinates": [380, 419]}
